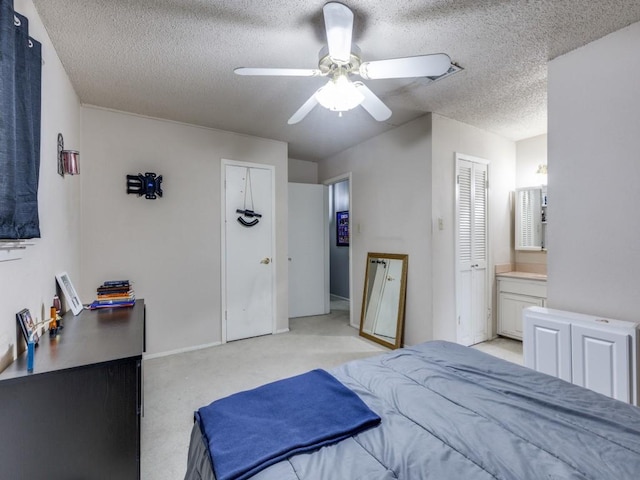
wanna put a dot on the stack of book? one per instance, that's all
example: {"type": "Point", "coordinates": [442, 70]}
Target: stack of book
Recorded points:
{"type": "Point", "coordinates": [114, 294]}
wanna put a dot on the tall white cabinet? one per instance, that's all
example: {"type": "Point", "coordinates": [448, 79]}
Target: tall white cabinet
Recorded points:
{"type": "Point", "coordinates": [597, 353]}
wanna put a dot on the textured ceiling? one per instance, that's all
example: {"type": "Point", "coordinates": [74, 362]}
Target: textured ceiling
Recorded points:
{"type": "Point", "coordinates": [174, 59]}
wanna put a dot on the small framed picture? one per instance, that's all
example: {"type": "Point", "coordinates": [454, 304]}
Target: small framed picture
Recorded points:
{"type": "Point", "coordinates": [27, 325]}
{"type": "Point", "coordinates": [70, 294]}
{"type": "Point", "coordinates": [342, 228]}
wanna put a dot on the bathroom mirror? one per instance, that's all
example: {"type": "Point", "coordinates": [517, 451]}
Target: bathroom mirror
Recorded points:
{"type": "Point", "coordinates": [531, 204]}
{"type": "Point", "coordinates": [385, 286]}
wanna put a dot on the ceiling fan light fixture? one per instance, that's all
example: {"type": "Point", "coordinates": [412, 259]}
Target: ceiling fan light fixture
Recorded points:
{"type": "Point", "coordinates": [339, 95]}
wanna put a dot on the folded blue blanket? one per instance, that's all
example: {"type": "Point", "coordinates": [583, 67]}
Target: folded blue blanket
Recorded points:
{"type": "Point", "coordinates": [252, 430]}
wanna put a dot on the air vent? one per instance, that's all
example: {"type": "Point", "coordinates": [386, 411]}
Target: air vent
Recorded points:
{"type": "Point", "coordinates": [453, 69]}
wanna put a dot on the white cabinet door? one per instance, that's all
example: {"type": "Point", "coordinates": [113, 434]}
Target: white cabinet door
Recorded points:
{"type": "Point", "coordinates": [510, 310]}
{"type": "Point", "coordinates": [601, 361]}
{"type": "Point", "coordinates": [547, 346]}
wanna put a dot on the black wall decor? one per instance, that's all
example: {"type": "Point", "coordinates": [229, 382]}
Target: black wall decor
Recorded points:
{"type": "Point", "coordinates": [148, 185]}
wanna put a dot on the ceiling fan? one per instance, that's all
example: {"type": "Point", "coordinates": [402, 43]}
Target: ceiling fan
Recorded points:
{"type": "Point", "coordinates": [340, 59]}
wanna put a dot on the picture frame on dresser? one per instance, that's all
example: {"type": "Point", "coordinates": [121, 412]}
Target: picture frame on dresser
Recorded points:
{"type": "Point", "coordinates": [70, 294]}
{"type": "Point", "coordinates": [27, 325]}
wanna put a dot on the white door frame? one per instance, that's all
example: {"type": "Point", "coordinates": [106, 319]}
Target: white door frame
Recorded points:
{"type": "Point", "coordinates": [330, 181]}
{"type": "Point", "coordinates": [488, 289]}
{"type": "Point", "coordinates": [223, 242]}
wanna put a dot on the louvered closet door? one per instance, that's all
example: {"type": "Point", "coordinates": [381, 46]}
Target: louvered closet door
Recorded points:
{"type": "Point", "coordinates": [471, 250]}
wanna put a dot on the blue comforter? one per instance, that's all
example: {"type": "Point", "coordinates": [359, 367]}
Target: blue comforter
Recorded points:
{"type": "Point", "coordinates": [251, 430]}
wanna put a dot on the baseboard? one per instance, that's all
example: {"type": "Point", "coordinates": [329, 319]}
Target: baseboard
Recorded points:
{"type": "Point", "coordinates": [338, 297]}
{"type": "Point", "coordinates": [179, 350]}
{"type": "Point", "coordinates": [282, 330]}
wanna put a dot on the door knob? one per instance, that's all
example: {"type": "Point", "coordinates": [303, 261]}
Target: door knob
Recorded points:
{"type": "Point", "coordinates": [266, 260]}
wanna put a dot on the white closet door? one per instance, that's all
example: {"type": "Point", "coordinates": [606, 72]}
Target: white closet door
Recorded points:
{"type": "Point", "coordinates": [471, 250]}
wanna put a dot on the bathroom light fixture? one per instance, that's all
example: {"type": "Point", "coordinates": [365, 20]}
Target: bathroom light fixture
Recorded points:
{"type": "Point", "coordinates": [339, 94]}
{"type": "Point", "coordinates": [542, 169]}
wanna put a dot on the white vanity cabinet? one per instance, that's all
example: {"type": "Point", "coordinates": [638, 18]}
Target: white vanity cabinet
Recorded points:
{"type": "Point", "coordinates": [597, 353]}
{"type": "Point", "coordinates": [517, 291]}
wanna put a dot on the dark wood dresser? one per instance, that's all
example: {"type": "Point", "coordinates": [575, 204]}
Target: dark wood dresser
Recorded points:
{"type": "Point", "coordinates": [77, 416]}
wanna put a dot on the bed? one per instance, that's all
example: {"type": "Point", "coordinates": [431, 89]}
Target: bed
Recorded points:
{"type": "Point", "coordinates": [450, 412]}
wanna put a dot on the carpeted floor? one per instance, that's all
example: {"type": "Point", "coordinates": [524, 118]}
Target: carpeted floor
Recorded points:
{"type": "Point", "coordinates": [175, 386]}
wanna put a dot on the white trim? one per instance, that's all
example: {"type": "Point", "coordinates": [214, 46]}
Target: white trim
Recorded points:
{"type": "Point", "coordinates": [223, 266]}
{"type": "Point", "coordinates": [151, 356]}
{"type": "Point", "coordinates": [281, 330]}
{"type": "Point", "coordinates": [330, 181]}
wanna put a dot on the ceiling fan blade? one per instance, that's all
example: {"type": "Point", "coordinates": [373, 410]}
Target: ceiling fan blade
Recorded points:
{"type": "Point", "coordinates": [338, 21]}
{"type": "Point", "coordinates": [419, 66]}
{"type": "Point", "coordinates": [285, 72]}
{"type": "Point", "coordinates": [372, 104]}
{"type": "Point", "coordinates": [304, 110]}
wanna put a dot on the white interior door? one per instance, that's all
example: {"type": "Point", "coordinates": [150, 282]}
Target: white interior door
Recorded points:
{"type": "Point", "coordinates": [308, 250]}
{"type": "Point", "coordinates": [471, 250]}
{"type": "Point", "coordinates": [248, 251]}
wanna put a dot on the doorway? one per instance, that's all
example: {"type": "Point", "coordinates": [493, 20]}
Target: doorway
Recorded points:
{"type": "Point", "coordinates": [247, 257]}
{"type": "Point", "coordinates": [339, 216]}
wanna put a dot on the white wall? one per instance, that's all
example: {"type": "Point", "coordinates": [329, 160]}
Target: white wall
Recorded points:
{"type": "Point", "coordinates": [30, 282]}
{"type": "Point", "coordinates": [390, 212]}
{"type": "Point", "coordinates": [594, 181]}
{"type": "Point", "coordinates": [302, 171]}
{"type": "Point", "coordinates": [403, 181]}
{"type": "Point", "coordinates": [449, 137]}
{"type": "Point", "coordinates": [530, 153]}
{"type": "Point", "coordinates": [170, 247]}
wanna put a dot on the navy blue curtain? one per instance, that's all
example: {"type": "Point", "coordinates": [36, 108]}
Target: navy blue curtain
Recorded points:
{"type": "Point", "coordinates": [20, 96]}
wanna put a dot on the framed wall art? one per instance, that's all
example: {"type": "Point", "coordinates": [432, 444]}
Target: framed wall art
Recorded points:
{"type": "Point", "coordinates": [342, 228]}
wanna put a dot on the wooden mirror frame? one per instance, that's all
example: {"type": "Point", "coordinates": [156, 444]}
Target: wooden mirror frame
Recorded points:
{"type": "Point", "coordinates": [401, 301]}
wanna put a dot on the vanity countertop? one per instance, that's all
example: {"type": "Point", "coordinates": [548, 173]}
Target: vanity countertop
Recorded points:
{"type": "Point", "coordinates": [524, 275]}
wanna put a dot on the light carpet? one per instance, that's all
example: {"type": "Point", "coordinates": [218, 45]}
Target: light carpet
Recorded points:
{"type": "Point", "coordinates": [175, 386]}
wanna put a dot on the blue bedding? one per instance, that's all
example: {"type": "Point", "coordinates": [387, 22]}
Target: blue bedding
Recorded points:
{"type": "Point", "coordinates": [252, 430]}
{"type": "Point", "coordinates": [452, 412]}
